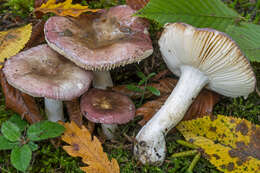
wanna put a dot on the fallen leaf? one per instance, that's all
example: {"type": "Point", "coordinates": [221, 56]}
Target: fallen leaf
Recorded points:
{"type": "Point", "coordinates": [37, 36]}
{"type": "Point", "coordinates": [231, 144]}
{"type": "Point", "coordinates": [89, 148]}
{"type": "Point", "coordinates": [202, 105]}
{"type": "Point", "coordinates": [19, 102]}
{"type": "Point", "coordinates": [64, 8]}
{"type": "Point", "coordinates": [13, 40]}
{"type": "Point", "coordinates": [137, 4]}
{"type": "Point", "coordinates": [73, 109]}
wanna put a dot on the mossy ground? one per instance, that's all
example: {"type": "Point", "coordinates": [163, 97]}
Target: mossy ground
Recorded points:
{"type": "Point", "coordinates": [49, 159]}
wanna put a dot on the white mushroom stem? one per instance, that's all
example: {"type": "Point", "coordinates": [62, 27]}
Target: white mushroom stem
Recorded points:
{"type": "Point", "coordinates": [102, 79]}
{"type": "Point", "coordinates": [109, 130]}
{"type": "Point", "coordinates": [150, 146]}
{"type": "Point", "coordinates": [54, 109]}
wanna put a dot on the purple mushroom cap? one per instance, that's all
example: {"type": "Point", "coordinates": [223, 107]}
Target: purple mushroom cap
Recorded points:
{"type": "Point", "coordinates": [42, 72]}
{"type": "Point", "coordinates": [107, 107]}
{"type": "Point", "coordinates": [100, 41]}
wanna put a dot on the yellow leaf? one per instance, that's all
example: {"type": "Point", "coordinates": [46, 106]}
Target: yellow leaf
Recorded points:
{"type": "Point", "coordinates": [64, 9]}
{"type": "Point", "coordinates": [13, 40]}
{"type": "Point", "coordinates": [90, 150]}
{"type": "Point", "coordinates": [231, 144]}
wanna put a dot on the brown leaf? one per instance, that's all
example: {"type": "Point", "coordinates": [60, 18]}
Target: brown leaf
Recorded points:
{"type": "Point", "coordinates": [202, 105]}
{"type": "Point", "coordinates": [89, 148]}
{"type": "Point", "coordinates": [73, 109]}
{"type": "Point", "coordinates": [37, 36]}
{"type": "Point", "coordinates": [19, 102]}
{"type": "Point", "coordinates": [137, 4]}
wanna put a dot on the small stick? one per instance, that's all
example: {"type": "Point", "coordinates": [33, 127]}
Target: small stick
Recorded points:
{"type": "Point", "coordinates": [193, 163]}
{"type": "Point", "coordinates": [187, 144]}
{"type": "Point", "coordinates": [185, 153]}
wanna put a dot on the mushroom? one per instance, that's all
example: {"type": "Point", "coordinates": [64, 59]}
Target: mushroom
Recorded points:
{"type": "Point", "coordinates": [100, 41]}
{"type": "Point", "coordinates": [41, 72]}
{"type": "Point", "coordinates": [201, 57]}
{"type": "Point", "coordinates": [108, 108]}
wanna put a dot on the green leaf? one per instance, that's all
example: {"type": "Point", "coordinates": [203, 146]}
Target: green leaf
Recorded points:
{"type": "Point", "coordinates": [5, 144]}
{"type": "Point", "coordinates": [44, 130]}
{"type": "Point", "coordinates": [10, 131]}
{"type": "Point", "coordinates": [19, 122]}
{"type": "Point", "coordinates": [134, 88]}
{"type": "Point", "coordinates": [207, 14]}
{"type": "Point", "coordinates": [21, 157]}
{"type": "Point", "coordinates": [248, 38]}
{"type": "Point", "coordinates": [33, 146]}
{"type": "Point", "coordinates": [150, 75]}
{"type": "Point", "coordinates": [153, 90]}
{"type": "Point", "coordinates": [140, 74]}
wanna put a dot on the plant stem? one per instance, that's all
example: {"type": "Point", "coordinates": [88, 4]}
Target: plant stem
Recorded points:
{"type": "Point", "coordinates": [193, 163]}
{"type": "Point", "coordinates": [187, 144]}
{"type": "Point", "coordinates": [185, 153]}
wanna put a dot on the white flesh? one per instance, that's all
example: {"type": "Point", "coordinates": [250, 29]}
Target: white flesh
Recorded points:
{"type": "Point", "coordinates": [54, 109]}
{"type": "Point", "coordinates": [109, 130]}
{"type": "Point", "coordinates": [102, 79]}
{"type": "Point", "coordinates": [150, 146]}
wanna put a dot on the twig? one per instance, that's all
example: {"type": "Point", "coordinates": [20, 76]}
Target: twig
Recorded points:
{"type": "Point", "coordinates": [185, 153]}
{"type": "Point", "coordinates": [193, 163]}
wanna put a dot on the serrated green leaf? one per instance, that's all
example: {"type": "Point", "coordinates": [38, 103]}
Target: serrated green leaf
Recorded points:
{"type": "Point", "coordinates": [134, 88]}
{"type": "Point", "coordinates": [248, 38]}
{"type": "Point", "coordinates": [10, 131]}
{"type": "Point", "coordinates": [207, 14]}
{"type": "Point", "coordinates": [5, 144]}
{"type": "Point", "coordinates": [153, 90]}
{"type": "Point", "coordinates": [33, 146]}
{"type": "Point", "coordinates": [19, 122]}
{"type": "Point", "coordinates": [231, 144]}
{"type": "Point", "coordinates": [44, 130]}
{"type": "Point", "coordinates": [21, 157]}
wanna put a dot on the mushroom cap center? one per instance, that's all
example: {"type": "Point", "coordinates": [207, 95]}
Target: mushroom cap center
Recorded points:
{"type": "Point", "coordinates": [103, 103]}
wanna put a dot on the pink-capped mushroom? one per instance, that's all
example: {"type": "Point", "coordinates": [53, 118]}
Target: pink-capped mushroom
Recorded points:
{"type": "Point", "coordinates": [42, 72]}
{"type": "Point", "coordinates": [108, 108]}
{"type": "Point", "coordinates": [101, 41]}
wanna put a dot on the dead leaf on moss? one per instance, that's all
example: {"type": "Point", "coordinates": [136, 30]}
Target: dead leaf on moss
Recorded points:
{"type": "Point", "coordinates": [89, 148]}
{"type": "Point", "coordinates": [13, 40]}
{"type": "Point", "coordinates": [231, 144]}
{"type": "Point", "coordinates": [20, 102]}
{"type": "Point", "coordinates": [64, 8]}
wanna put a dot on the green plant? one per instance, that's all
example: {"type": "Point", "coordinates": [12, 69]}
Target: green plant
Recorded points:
{"type": "Point", "coordinates": [18, 136]}
{"type": "Point", "coordinates": [22, 8]}
{"type": "Point", "coordinates": [143, 82]}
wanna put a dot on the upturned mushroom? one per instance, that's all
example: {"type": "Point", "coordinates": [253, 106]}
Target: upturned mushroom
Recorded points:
{"type": "Point", "coordinates": [108, 108]}
{"type": "Point", "coordinates": [42, 72]}
{"type": "Point", "coordinates": [101, 41]}
{"type": "Point", "coordinates": [201, 57]}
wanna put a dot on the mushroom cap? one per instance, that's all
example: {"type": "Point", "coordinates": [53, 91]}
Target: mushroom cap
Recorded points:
{"type": "Point", "coordinates": [213, 53]}
{"type": "Point", "coordinates": [107, 107]}
{"type": "Point", "coordinates": [42, 72]}
{"type": "Point", "coordinates": [100, 41]}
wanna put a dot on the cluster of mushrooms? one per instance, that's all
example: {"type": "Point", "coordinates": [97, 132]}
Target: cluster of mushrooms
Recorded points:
{"type": "Point", "coordinates": [81, 51]}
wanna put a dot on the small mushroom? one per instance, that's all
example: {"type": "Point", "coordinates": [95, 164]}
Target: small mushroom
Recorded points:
{"type": "Point", "coordinates": [41, 72]}
{"type": "Point", "coordinates": [101, 41]}
{"type": "Point", "coordinates": [108, 108]}
{"type": "Point", "coordinates": [201, 57]}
